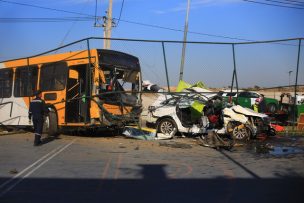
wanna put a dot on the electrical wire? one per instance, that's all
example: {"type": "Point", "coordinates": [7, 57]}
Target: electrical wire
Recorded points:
{"type": "Point", "coordinates": [34, 20]}
{"type": "Point", "coordinates": [126, 21]}
{"type": "Point", "coordinates": [180, 30]}
{"type": "Point", "coordinates": [45, 8]}
{"type": "Point", "coordinates": [284, 2]}
{"type": "Point", "coordinates": [71, 27]}
{"type": "Point", "coordinates": [69, 19]}
{"type": "Point", "coordinates": [121, 8]}
{"type": "Point", "coordinates": [271, 4]}
{"type": "Point", "coordinates": [95, 12]}
{"type": "Point", "coordinates": [294, 1]}
{"type": "Point", "coordinates": [92, 17]}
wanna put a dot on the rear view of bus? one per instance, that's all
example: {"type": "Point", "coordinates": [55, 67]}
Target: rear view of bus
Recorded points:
{"type": "Point", "coordinates": [83, 89]}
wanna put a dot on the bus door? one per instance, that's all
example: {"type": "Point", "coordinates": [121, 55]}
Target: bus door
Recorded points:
{"type": "Point", "coordinates": [53, 78]}
{"type": "Point", "coordinates": [76, 103]}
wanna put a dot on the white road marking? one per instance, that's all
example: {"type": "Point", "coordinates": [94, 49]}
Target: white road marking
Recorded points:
{"type": "Point", "coordinates": [30, 166]}
{"type": "Point", "coordinates": [47, 157]}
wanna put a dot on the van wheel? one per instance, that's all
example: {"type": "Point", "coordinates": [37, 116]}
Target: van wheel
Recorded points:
{"type": "Point", "coordinates": [51, 124]}
{"type": "Point", "coordinates": [166, 126]}
{"type": "Point", "coordinates": [272, 108]}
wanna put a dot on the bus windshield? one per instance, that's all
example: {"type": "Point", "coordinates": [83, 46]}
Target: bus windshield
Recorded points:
{"type": "Point", "coordinates": [122, 74]}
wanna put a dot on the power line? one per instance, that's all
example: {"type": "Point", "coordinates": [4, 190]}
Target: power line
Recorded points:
{"type": "Point", "coordinates": [180, 30]}
{"type": "Point", "coordinates": [69, 19]}
{"type": "Point", "coordinates": [136, 23]}
{"type": "Point", "coordinates": [43, 20]}
{"type": "Point", "coordinates": [71, 27]}
{"type": "Point", "coordinates": [45, 8]}
{"type": "Point", "coordinates": [270, 4]}
{"type": "Point", "coordinates": [122, 5]}
{"type": "Point", "coordinates": [296, 2]}
{"type": "Point", "coordinates": [286, 3]}
{"type": "Point", "coordinates": [95, 13]}
{"type": "Point", "coordinates": [92, 17]}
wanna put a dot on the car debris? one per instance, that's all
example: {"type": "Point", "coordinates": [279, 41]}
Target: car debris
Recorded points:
{"type": "Point", "coordinates": [213, 140]}
{"type": "Point", "coordinates": [150, 87]}
{"type": "Point", "coordinates": [146, 133]}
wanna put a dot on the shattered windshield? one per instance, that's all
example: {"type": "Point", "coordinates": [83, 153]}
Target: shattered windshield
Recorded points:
{"type": "Point", "coordinates": [122, 79]}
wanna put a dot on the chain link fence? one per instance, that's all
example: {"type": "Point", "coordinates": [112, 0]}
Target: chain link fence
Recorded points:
{"type": "Point", "coordinates": [269, 67]}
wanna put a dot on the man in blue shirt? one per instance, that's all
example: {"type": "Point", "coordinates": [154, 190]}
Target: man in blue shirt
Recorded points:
{"type": "Point", "coordinates": [37, 112]}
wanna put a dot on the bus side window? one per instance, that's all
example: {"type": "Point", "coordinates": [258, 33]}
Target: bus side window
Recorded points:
{"type": "Point", "coordinates": [53, 76]}
{"type": "Point", "coordinates": [6, 82]}
{"type": "Point", "coordinates": [25, 81]}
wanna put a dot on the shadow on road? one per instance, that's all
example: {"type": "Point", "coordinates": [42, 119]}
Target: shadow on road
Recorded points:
{"type": "Point", "coordinates": [154, 187]}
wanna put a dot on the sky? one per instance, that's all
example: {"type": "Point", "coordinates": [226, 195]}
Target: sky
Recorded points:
{"type": "Point", "coordinates": [209, 21]}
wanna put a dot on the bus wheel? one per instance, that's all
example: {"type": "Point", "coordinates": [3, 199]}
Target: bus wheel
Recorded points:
{"type": "Point", "coordinates": [52, 127]}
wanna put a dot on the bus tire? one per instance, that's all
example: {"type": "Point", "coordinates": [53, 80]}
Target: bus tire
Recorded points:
{"type": "Point", "coordinates": [272, 107]}
{"type": "Point", "coordinates": [53, 123]}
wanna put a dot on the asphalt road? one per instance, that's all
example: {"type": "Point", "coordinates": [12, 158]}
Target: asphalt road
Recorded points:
{"type": "Point", "coordinates": [117, 169]}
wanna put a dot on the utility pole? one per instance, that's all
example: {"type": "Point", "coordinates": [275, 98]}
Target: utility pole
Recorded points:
{"type": "Point", "coordinates": [181, 73]}
{"type": "Point", "coordinates": [107, 27]}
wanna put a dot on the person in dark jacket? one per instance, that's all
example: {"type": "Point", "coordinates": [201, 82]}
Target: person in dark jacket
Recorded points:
{"type": "Point", "coordinates": [262, 104]}
{"type": "Point", "coordinates": [37, 111]}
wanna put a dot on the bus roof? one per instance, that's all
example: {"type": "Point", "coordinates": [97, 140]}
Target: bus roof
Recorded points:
{"type": "Point", "coordinates": [105, 57]}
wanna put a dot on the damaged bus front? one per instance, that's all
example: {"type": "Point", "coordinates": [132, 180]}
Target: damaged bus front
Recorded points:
{"type": "Point", "coordinates": [119, 89]}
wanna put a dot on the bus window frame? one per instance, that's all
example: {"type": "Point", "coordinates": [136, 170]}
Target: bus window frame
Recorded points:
{"type": "Point", "coordinates": [46, 65]}
{"type": "Point", "coordinates": [36, 80]}
{"type": "Point", "coordinates": [10, 82]}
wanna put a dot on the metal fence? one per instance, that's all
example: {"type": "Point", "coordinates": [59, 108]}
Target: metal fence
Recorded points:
{"type": "Point", "coordinates": [246, 65]}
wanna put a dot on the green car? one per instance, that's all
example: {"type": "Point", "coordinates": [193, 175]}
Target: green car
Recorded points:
{"type": "Point", "coordinates": [247, 99]}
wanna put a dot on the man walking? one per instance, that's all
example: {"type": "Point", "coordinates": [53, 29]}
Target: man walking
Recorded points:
{"type": "Point", "coordinates": [37, 111]}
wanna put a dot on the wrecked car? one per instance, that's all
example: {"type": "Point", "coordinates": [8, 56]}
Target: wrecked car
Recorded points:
{"type": "Point", "coordinates": [175, 111]}
{"type": "Point", "coordinates": [197, 114]}
{"type": "Point", "coordinates": [256, 123]}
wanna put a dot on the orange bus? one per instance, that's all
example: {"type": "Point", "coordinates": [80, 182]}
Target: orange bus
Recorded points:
{"type": "Point", "coordinates": [83, 89]}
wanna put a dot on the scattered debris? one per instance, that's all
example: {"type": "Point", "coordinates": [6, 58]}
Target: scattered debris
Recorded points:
{"type": "Point", "coordinates": [278, 128]}
{"type": "Point", "coordinates": [213, 140]}
{"type": "Point", "coordinates": [142, 134]}
{"type": "Point", "coordinates": [175, 145]}
{"type": "Point", "coordinates": [13, 171]}
{"type": "Point", "coordinates": [146, 133]}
